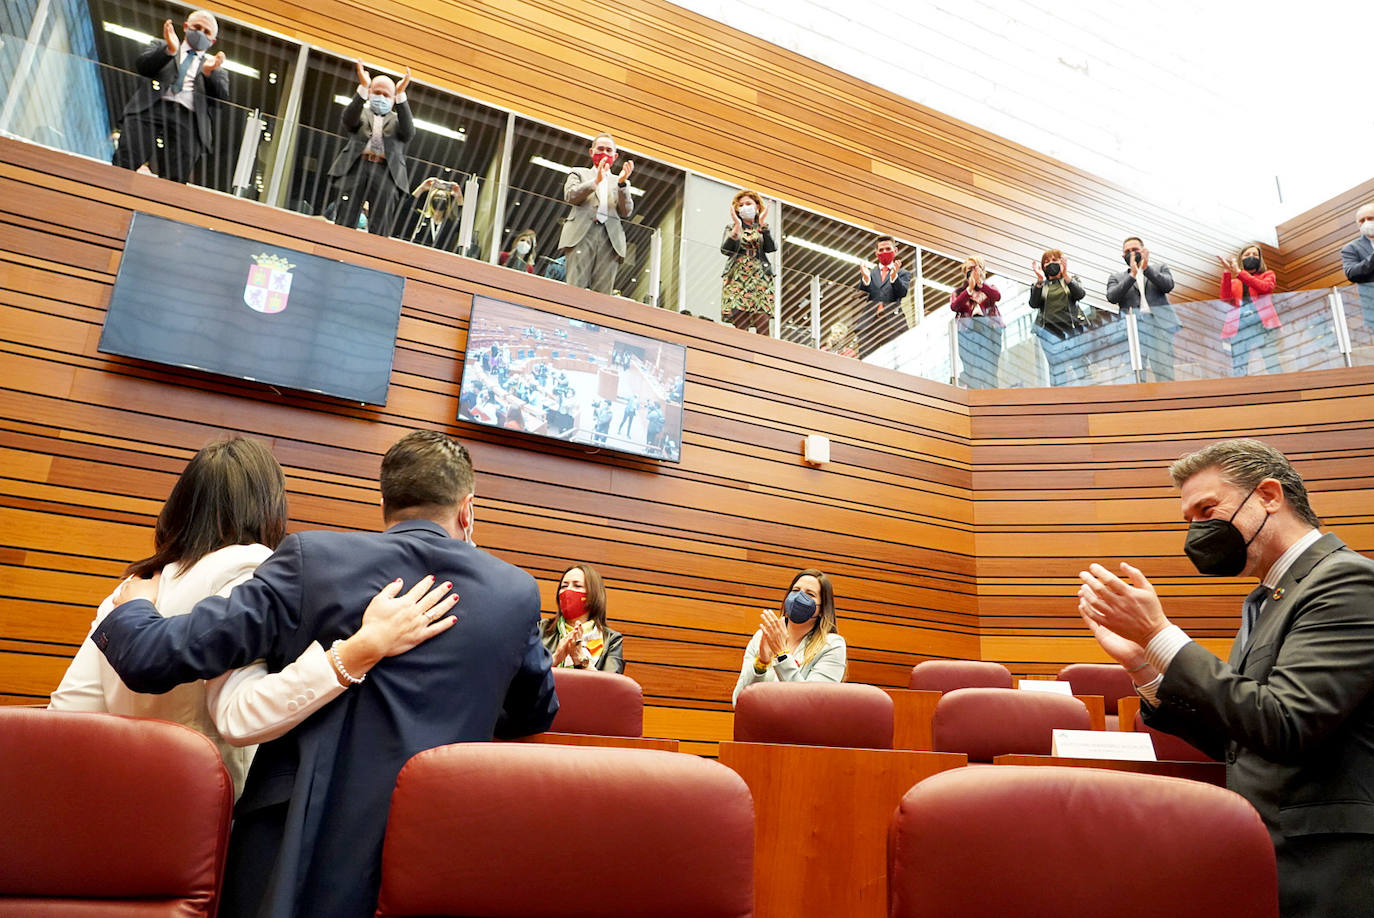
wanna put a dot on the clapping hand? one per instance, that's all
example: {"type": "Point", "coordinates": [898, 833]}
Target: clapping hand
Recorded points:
{"type": "Point", "coordinates": [364, 78]}
{"type": "Point", "coordinates": [169, 35]}
{"type": "Point", "coordinates": [212, 64]}
{"type": "Point", "coordinates": [773, 636]}
{"type": "Point", "coordinates": [405, 81]}
{"type": "Point", "coordinates": [1144, 258]}
{"type": "Point", "coordinates": [763, 215]}
{"type": "Point", "coordinates": [625, 171]}
{"type": "Point", "coordinates": [1039, 272]}
{"type": "Point", "coordinates": [736, 226]}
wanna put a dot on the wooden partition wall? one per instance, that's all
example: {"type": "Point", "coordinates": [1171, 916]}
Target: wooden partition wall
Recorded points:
{"type": "Point", "coordinates": [682, 88]}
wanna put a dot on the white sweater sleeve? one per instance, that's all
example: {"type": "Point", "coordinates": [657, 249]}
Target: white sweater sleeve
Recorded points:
{"type": "Point", "coordinates": [250, 705]}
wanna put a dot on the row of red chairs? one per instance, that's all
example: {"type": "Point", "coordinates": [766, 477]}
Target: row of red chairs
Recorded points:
{"type": "Point", "coordinates": [118, 816]}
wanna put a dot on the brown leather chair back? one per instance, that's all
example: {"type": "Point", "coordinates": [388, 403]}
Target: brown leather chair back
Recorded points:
{"type": "Point", "coordinates": [1109, 680]}
{"type": "Point", "coordinates": [107, 815]}
{"type": "Point", "coordinates": [1032, 842]}
{"type": "Point", "coordinates": [948, 675]}
{"type": "Point", "coordinates": [597, 703]}
{"type": "Point", "coordinates": [814, 714]}
{"type": "Point", "coordinates": [546, 831]}
{"type": "Point", "coordinates": [987, 722]}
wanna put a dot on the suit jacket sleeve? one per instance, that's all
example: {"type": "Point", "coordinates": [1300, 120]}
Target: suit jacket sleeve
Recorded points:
{"type": "Point", "coordinates": [613, 659]}
{"type": "Point", "coordinates": [353, 115]}
{"type": "Point", "coordinates": [1076, 291]}
{"type": "Point", "coordinates": [531, 701]}
{"type": "Point", "coordinates": [1037, 296]}
{"type": "Point", "coordinates": [624, 201]}
{"type": "Point", "coordinates": [900, 285]}
{"type": "Point", "coordinates": [1161, 277]}
{"type": "Point", "coordinates": [1117, 285]}
{"type": "Point", "coordinates": [405, 123]}
{"type": "Point", "coordinates": [1359, 269]}
{"type": "Point", "coordinates": [153, 59]}
{"type": "Point", "coordinates": [575, 189]}
{"type": "Point", "coordinates": [217, 83]}
{"type": "Point", "coordinates": [155, 654]}
{"type": "Point", "coordinates": [1323, 670]}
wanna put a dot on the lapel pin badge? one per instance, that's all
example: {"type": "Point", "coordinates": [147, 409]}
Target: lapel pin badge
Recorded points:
{"type": "Point", "coordinates": [1278, 594]}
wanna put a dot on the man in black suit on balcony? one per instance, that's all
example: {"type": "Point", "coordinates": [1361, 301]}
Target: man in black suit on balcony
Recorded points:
{"type": "Point", "coordinates": [174, 101]}
{"type": "Point", "coordinates": [372, 164]}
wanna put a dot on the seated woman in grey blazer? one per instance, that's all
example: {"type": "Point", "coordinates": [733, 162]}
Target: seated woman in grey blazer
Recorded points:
{"type": "Point", "coordinates": [802, 644]}
{"type": "Point", "coordinates": [577, 635]}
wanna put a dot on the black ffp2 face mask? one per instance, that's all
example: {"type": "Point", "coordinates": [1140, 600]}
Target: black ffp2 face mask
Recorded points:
{"type": "Point", "coordinates": [1217, 547]}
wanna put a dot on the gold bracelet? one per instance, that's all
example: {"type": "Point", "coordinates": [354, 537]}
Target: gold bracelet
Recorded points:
{"type": "Point", "coordinates": [760, 668]}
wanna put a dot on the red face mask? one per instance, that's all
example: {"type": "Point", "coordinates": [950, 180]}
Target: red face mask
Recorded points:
{"type": "Point", "coordinates": [572, 604]}
{"type": "Point", "coordinates": [599, 158]}
{"type": "Point", "coordinates": [885, 258]}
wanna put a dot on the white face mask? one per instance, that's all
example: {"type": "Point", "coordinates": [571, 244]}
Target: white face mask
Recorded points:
{"type": "Point", "coordinates": [747, 211]}
{"type": "Point", "coordinates": [522, 248]}
{"type": "Point", "coordinates": [1367, 227]}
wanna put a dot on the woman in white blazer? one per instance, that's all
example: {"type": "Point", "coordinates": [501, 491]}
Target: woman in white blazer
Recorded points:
{"type": "Point", "coordinates": [802, 644]}
{"type": "Point", "coordinates": [225, 515]}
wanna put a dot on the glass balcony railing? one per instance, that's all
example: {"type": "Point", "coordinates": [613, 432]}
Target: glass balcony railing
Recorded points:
{"type": "Point", "coordinates": [276, 159]}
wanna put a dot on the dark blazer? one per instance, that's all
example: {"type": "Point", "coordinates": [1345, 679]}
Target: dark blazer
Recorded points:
{"type": "Point", "coordinates": [397, 129]}
{"type": "Point", "coordinates": [735, 249]}
{"type": "Point", "coordinates": [488, 675]}
{"type": "Point", "coordinates": [612, 659]}
{"type": "Point", "coordinates": [893, 290]}
{"type": "Point", "coordinates": [156, 64]}
{"type": "Point", "coordinates": [1357, 260]}
{"type": "Point", "coordinates": [1292, 715]}
{"type": "Point", "coordinates": [1159, 280]}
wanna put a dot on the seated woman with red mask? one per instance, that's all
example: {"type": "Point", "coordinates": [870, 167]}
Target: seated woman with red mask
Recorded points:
{"type": "Point", "coordinates": [577, 635]}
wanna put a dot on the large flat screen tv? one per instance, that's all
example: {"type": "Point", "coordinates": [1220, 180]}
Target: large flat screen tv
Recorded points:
{"type": "Point", "coordinates": [546, 374]}
{"type": "Point", "coordinates": [193, 297]}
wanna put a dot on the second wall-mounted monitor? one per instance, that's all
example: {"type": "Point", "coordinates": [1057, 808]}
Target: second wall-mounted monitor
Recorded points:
{"type": "Point", "coordinates": [555, 376]}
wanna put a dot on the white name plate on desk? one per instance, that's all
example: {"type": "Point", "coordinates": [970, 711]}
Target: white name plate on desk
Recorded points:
{"type": "Point", "coordinates": [1103, 744]}
{"type": "Point", "coordinates": [1052, 686]}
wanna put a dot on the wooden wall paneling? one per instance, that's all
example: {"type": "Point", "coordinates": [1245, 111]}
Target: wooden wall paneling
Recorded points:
{"type": "Point", "coordinates": [91, 444]}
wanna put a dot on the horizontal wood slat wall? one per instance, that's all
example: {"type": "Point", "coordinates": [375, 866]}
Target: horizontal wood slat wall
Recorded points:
{"type": "Point", "coordinates": [1310, 244]}
{"type": "Point", "coordinates": [1065, 478]}
{"type": "Point", "coordinates": [90, 445]}
{"type": "Point", "coordinates": [682, 88]}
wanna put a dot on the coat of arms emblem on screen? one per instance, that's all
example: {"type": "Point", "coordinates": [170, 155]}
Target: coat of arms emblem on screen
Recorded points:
{"type": "Point", "coordinates": [269, 283]}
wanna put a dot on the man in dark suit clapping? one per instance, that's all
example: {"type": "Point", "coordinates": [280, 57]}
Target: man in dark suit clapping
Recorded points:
{"type": "Point", "coordinates": [372, 164]}
{"type": "Point", "coordinates": [307, 836]}
{"type": "Point", "coordinates": [174, 102]}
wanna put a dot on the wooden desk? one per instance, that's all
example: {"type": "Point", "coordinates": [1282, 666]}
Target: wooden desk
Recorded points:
{"type": "Point", "coordinates": [1126, 710]}
{"type": "Point", "coordinates": [1206, 772]}
{"type": "Point", "coordinates": [912, 713]}
{"type": "Point", "coordinates": [821, 816]}
{"type": "Point", "coordinates": [587, 739]}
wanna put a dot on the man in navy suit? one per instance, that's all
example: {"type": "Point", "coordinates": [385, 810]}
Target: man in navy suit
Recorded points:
{"type": "Point", "coordinates": [885, 286]}
{"type": "Point", "coordinates": [307, 837]}
{"type": "Point", "coordinates": [174, 102]}
{"type": "Point", "coordinates": [1357, 259]}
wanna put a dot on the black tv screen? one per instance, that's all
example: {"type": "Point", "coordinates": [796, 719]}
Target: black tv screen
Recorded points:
{"type": "Point", "coordinates": [554, 376]}
{"type": "Point", "coordinates": [193, 297]}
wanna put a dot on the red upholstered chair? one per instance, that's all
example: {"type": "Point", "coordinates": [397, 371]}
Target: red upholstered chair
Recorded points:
{"type": "Point", "coordinates": [987, 722]}
{"type": "Point", "coordinates": [814, 714]}
{"type": "Point", "coordinates": [602, 704]}
{"type": "Point", "coordinates": [1109, 680]}
{"type": "Point", "coordinates": [975, 842]}
{"type": "Point", "coordinates": [110, 816]}
{"type": "Point", "coordinates": [948, 675]}
{"type": "Point", "coordinates": [497, 829]}
{"type": "Point", "coordinates": [1169, 748]}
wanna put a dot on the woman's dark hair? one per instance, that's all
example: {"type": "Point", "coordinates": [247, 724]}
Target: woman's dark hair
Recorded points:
{"type": "Point", "coordinates": [824, 623]}
{"type": "Point", "coordinates": [596, 599]}
{"type": "Point", "coordinates": [232, 492]}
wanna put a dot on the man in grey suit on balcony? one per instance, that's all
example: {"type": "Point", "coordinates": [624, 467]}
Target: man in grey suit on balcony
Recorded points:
{"type": "Point", "coordinates": [593, 239]}
{"type": "Point", "coordinates": [1357, 260]}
